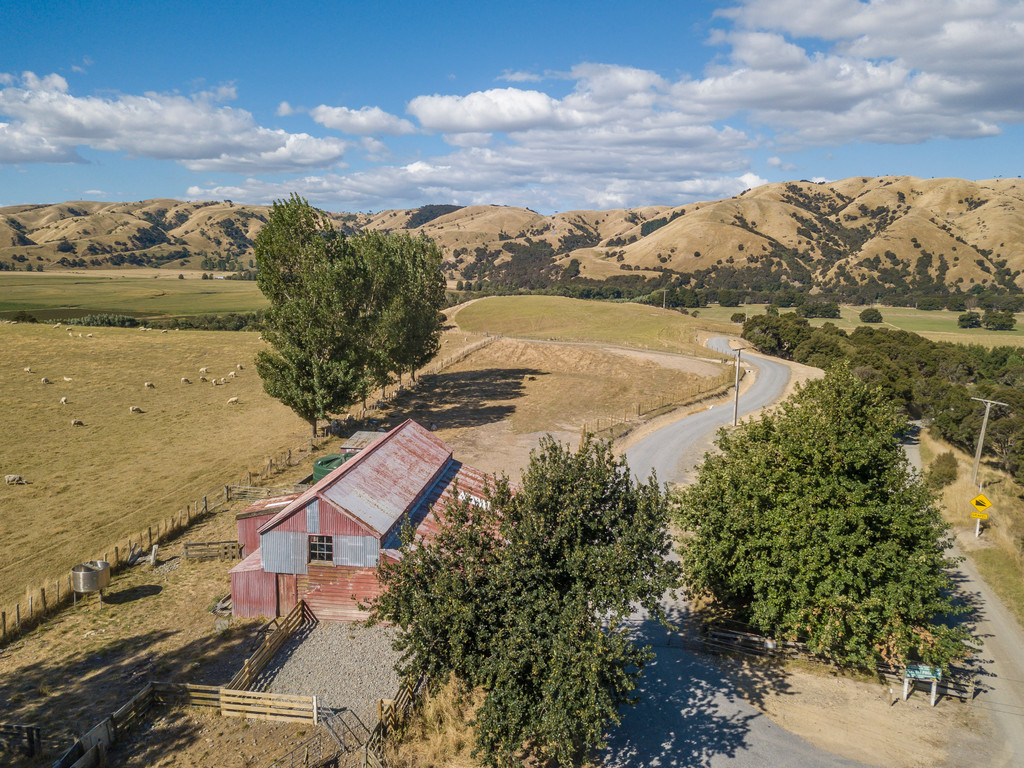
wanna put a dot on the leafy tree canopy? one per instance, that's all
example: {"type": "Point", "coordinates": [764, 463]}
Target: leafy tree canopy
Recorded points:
{"type": "Point", "coordinates": [871, 315]}
{"type": "Point", "coordinates": [524, 593]}
{"type": "Point", "coordinates": [346, 313]}
{"type": "Point", "coordinates": [810, 525]}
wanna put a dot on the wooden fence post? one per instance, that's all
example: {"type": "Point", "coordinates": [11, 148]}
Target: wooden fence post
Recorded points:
{"type": "Point", "coordinates": [30, 608]}
{"type": "Point", "coordinates": [17, 616]}
{"type": "Point", "coordinates": [3, 624]}
{"type": "Point", "coordinates": [227, 493]}
{"type": "Point", "coordinates": [151, 535]}
{"type": "Point", "coordinates": [205, 508]}
{"type": "Point", "coordinates": [42, 599]}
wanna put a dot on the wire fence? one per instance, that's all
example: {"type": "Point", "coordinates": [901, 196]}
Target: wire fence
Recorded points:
{"type": "Point", "coordinates": [618, 424]}
{"type": "Point", "coordinates": [54, 592]}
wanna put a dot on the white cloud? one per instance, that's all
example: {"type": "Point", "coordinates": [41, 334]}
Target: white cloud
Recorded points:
{"type": "Point", "coordinates": [499, 109]}
{"type": "Point", "coordinates": [284, 109]}
{"type": "Point", "coordinates": [367, 120]}
{"type": "Point", "coordinates": [48, 124]}
{"type": "Point", "coordinates": [510, 76]}
{"type": "Point", "coordinates": [94, 193]}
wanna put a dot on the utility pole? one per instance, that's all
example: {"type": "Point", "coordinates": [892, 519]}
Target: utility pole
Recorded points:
{"type": "Point", "coordinates": [736, 394]}
{"type": "Point", "coordinates": [981, 437]}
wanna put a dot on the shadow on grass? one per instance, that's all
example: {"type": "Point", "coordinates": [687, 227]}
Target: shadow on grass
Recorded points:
{"type": "Point", "coordinates": [69, 695]}
{"type": "Point", "coordinates": [465, 398]}
{"type": "Point", "coordinates": [132, 593]}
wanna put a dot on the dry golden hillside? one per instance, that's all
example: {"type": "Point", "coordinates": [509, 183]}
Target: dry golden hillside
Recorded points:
{"type": "Point", "coordinates": [891, 231]}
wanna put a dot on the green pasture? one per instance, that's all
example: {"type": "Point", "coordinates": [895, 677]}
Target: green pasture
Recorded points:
{"type": "Point", "coordinates": [61, 295]}
{"type": "Point", "coordinates": [938, 325]}
{"type": "Point", "coordinates": [562, 319]}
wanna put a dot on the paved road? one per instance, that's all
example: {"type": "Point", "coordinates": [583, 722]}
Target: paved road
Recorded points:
{"type": "Point", "coordinates": [690, 713]}
{"type": "Point", "coordinates": [1000, 663]}
{"type": "Point", "coordinates": [676, 449]}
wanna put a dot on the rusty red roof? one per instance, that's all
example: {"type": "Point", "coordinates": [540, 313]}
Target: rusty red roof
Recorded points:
{"type": "Point", "coordinates": [382, 482]}
{"type": "Point", "coordinates": [251, 563]}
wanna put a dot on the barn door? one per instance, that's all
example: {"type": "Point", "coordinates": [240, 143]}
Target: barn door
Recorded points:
{"type": "Point", "coordinates": [287, 593]}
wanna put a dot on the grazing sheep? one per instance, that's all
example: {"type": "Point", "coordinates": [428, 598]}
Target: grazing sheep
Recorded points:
{"type": "Point", "coordinates": [134, 409]}
{"type": "Point", "coordinates": [204, 370]}
{"type": "Point", "coordinates": [185, 381]}
{"type": "Point", "coordinates": [79, 335]}
{"type": "Point", "coordinates": [203, 378]}
{"type": "Point", "coordinates": [67, 378]}
{"type": "Point", "coordinates": [222, 381]}
{"type": "Point", "coordinates": [63, 401]}
{"type": "Point", "coordinates": [232, 401]}
{"type": "Point", "coordinates": [164, 331]}
{"type": "Point", "coordinates": [150, 385]}
{"type": "Point", "coordinates": [29, 369]}
{"type": "Point", "coordinates": [14, 479]}
{"type": "Point", "coordinates": [88, 335]}
{"type": "Point", "coordinates": [239, 367]}
{"type": "Point", "coordinates": [57, 325]}
{"type": "Point", "coordinates": [231, 375]}
{"type": "Point", "coordinates": [77, 423]}
{"type": "Point", "coordinates": [46, 380]}
{"type": "Point", "coordinates": [216, 383]}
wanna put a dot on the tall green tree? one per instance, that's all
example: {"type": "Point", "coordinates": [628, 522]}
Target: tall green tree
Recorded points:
{"type": "Point", "coordinates": [811, 525]}
{"type": "Point", "coordinates": [345, 312]}
{"type": "Point", "coordinates": [524, 594]}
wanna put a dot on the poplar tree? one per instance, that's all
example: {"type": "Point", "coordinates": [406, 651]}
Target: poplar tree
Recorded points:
{"type": "Point", "coordinates": [346, 313]}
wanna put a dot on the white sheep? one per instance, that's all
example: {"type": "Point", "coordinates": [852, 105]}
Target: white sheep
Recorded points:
{"type": "Point", "coordinates": [88, 335]}
{"type": "Point", "coordinates": [77, 423]}
{"type": "Point", "coordinates": [231, 375]}
{"type": "Point", "coordinates": [79, 335]}
{"type": "Point", "coordinates": [239, 366]}
{"type": "Point", "coordinates": [232, 401]}
{"type": "Point", "coordinates": [63, 401]}
{"type": "Point", "coordinates": [203, 378]}
{"type": "Point", "coordinates": [204, 370]}
{"type": "Point", "coordinates": [222, 380]}
{"type": "Point", "coordinates": [134, 409]}
{"type": "Point", "coordinates": [14, 479]}
{"type": "Point", "coordinates": [46, 380]}
{"type": "Point", "coordinates": [185, 381]}
{"type": "Point", "coordinates": [57, 325]}
{"type": "Point", "coordinates": [67, 378]}
{"type": "Point", "coordinates": [29, 369]}
{"type": "Point", "coordinates": [216, 383]}
{"type": "Point", "coordinates": [164, 331]}
{"type": "Point", "coordinates": [150, 385]}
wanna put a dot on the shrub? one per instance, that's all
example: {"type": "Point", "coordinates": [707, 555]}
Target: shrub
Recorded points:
{"type": "Point", "coordinates": [738, 317]}
{"type": "Point", "coordinates": [871, 315]}
{"type": "Point", "coordinates": [943, 470]}
{"type": "Point", "coordinates": [969, 320]}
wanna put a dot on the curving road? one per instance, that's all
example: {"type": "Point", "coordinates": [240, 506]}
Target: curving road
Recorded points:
{"type": "Point", "coordinates": [674, 450]}
{"type": "Point", "coordinates": [689, 713]}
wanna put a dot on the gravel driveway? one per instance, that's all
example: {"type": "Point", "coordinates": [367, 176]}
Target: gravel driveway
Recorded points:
{"type": "Point", "coordinates": [342, 664]}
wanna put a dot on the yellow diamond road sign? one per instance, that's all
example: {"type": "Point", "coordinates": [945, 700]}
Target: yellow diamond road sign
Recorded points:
{"type": "Point", "coordinates": [980, 502]}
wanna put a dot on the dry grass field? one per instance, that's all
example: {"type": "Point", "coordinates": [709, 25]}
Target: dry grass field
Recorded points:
{"type": "Point", "coordinates": [90, 486]}
{"type": "Point", "coordinates": [555, 317]}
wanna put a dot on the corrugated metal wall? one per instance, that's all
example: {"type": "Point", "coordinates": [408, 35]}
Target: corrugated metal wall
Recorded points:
{"type": "Point", "coordinates": [247, 532]}
{"type": "Point", "coordinates": [333, 593]}
{"type": "Point", "coordinates": [313, 516]}
{"type": "Point", "coordinates": [284, 551]}
{"type": "Point", "coordinates": [253, 593]}
{"type": "Point", "coordinates": [335, 523]}
{"type": "Point", "coordinates": [358, 551]}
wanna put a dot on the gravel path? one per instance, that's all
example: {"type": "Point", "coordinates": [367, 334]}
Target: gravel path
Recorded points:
{"type": "Point", "coordinates": [342, 664]}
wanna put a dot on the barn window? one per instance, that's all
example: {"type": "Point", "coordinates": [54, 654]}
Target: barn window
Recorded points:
{"type": "Point", "coordinates": [321, 549]}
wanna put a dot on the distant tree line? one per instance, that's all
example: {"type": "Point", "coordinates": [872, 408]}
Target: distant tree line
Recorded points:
{"type": "Point", "coordinates": [934, 380]}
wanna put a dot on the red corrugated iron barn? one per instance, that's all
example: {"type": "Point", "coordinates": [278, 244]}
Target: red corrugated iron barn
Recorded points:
{"type": "Point", "coordinates": [323, 545]}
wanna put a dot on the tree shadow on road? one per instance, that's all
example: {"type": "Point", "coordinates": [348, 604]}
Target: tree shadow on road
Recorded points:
{"type": "Point", "coordinates": [691, 709]}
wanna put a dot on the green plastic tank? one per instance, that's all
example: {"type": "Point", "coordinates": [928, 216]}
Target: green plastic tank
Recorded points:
{"type": "Point", "coordinates": [323, 466]}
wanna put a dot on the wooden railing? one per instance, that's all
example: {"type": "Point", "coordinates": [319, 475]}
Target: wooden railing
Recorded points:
{"type": "Point", "coordinates": [213, 550]}
{"type": "Point", "coordinates": [27, 739]}
{"type": "Point", "coordinates": [253, 492]}
{"type": "Point", "coordinates": [390, 716]}
{"type": "Point", "coordinates": [254, 664]}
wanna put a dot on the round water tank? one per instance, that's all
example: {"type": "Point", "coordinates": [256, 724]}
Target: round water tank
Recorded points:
{"type": "Point", "coordinates": [91, 576]}
{"type": "Point", "coordinates": [323, 466]}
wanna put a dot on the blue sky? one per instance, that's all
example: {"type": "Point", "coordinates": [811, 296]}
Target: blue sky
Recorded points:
{"type": "Point", "coordinates": [552, 106]}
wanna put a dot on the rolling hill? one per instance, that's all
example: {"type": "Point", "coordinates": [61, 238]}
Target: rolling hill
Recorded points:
{"type": "Point", "coordinates": [893, 234]}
